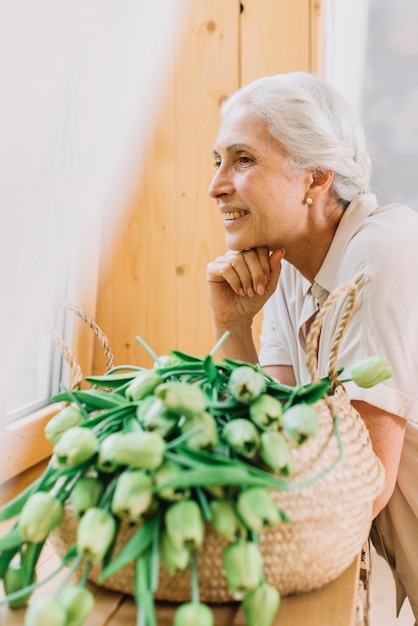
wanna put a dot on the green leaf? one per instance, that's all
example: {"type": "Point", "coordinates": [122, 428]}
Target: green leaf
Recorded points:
{"type": "Point", "coordinates": [182, 369]}
{"type": "Point", "coordinates": [111, 380]}
{"type": "Point", "coordinates": [5, 559]}
{"type": "Point", "coordinates": [11, 540]}
{"type": "Point", "coordinates": [210, 369]}
{"type": "Point", "coordinates": [213, 475]}
{"type": "Point", "coordinates": [93, 399]}
{"type": "Point", "coordinates": [183, 356]}
{"type": "Point", "coordinates": [13, 507]}
{"type": "Point", "coordinates": [138, 543]}
{"type": "Point", "coordinates": [311, 393]}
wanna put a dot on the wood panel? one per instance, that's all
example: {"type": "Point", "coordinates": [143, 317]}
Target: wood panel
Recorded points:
{"type": "Point", "coordinates": [209, 72]}
{"type": "Point", "coordinates": [275, 37]}
{"type": "Point", "coordinates": [152, 280]}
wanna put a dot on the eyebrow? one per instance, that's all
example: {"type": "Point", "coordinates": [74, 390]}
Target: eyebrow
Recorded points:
{"type": "Point", "coordinates": [234, 146]}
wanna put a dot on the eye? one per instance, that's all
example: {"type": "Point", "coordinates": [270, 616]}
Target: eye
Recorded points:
{"type": "Point", "coordinates": [217, 163]}
{"type": "Point", "coordinates": [243, 159]}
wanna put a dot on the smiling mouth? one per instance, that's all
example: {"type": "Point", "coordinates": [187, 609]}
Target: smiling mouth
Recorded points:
{"type": "Point", "coordinates": [234, 215]}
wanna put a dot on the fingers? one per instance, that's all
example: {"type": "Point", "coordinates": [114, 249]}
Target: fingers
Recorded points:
{"type": "Point", "coordinates": [247, 272]}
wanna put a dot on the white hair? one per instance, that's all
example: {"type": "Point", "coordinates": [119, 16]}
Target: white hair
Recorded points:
{"type": "Point", "coordinates": [315, 125]}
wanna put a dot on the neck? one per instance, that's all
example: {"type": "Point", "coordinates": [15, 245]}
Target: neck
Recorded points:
{"type": "Point", "coordinates": [309, 251]}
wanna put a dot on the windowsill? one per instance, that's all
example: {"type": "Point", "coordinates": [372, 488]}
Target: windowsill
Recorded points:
{"type": "Point", "coordinates": [23, 443]}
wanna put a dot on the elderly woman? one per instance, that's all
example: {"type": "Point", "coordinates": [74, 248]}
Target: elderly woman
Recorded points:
{"type": "Point", "coordinates": [292, 186]}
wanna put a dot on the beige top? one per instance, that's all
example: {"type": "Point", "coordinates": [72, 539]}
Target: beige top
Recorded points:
{"type": "Point", "coordinates": [378, 248]}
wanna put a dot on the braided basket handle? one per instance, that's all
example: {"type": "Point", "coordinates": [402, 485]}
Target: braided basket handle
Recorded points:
{"type": "Point", "coordinates": [312, 341]}
{"type": "Point", "coordinates": [65, 350]}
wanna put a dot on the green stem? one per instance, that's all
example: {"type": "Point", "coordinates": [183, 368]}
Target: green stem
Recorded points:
{"type": "Point", "coordinates": [155, 553]}
{"type": "Point", "coordinates": [32, 587]}
{"type": "Point", "coordinates": [195, 578]}
{"type": "Point", "coordinates": [69, 574]}
{"type": "Point", "coordinates": [190, 433]}
{"type": "Point", "coordinates": [220, 343]}
{"type": "Point", "coordinates": [76, 401]}
{"type": "Point", "coordinates": [149, 350]}
{"type": "Point", "coordinates": [204, 505]}
{"type": "Point", "coordinates": [85, 574]}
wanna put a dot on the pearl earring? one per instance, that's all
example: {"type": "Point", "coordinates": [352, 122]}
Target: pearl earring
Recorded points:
{"type": "Point", "coordinates": [308, 200]}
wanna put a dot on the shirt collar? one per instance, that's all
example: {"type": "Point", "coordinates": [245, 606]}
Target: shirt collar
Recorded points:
{"type": "Point", "coordinates": [355, 214]}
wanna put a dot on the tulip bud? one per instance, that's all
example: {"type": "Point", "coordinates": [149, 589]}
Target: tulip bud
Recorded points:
{"type": "Point", "coordinates": [62, 421]}
{"type": "Point", "coordinates": [266, 412]}
{"type": "Point", "coordinates": [182, 398]}
{"type": "Point", "coordinates": [106, 461]}
{"type": "Point", "coordinates": [143, 450]}
{"type": "Point", "coordinates": [193, 614]}
{"type": "Point", "coordinates": [225, 521]}
{"type": "Point", "coordinates": [371, 371]}
{"type": "Point", "coordinates": [300, 421]}
{"type": "Point", "coordinates": [143, 384]}
{"type": "Point", "coordinates": [132, 496]}
{"type": "Point", "coordinates": [45, 612]}
{"type": "Point", "coordinates": [166, 360]}
{"type": "Point", "coordinates": [246, 384]}
{"type": "Point", "coordinates": [173, 559]}
{"type": "Point", "coordinates": [75, 446]}
{"type": "Point", "coordinates": [275, 452]}
{"type": "Point", "coordinates": [260, 605]}
{"type": "Point", "coordinates": [13, 580]}
{"type": "Point", "coordinates": [78, 602]}
{"type": "Point", "coordinates": [86, 493]}
{"type": "Point", "coordinates": [243, 566]}
{"type": "Point", "coordinates": [257, 509]}
{"type": "Point", "coordinates": [153, 416]}
{"type": "Point", "coordinates": [218, 491]}
{"type": "Point", "coordinates": [95, 533]}
{"type": "Point", "coordinates": [184, 524]}
{"type": "Point", "coordinates": [39, 515]}
{"type": "Point", "coordinates": [205, 438]}
{"type": "Point", "coordinates": [168, 471]}
{"type": "Point", "coordinates": [242, 436]}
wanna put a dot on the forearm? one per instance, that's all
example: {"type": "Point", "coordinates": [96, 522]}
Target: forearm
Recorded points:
{"type": "Point", "coordinates": [387, 433]}
{"type": "Point", "coordinates": [239, 344]}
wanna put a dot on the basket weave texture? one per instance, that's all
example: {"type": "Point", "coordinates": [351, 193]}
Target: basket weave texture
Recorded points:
{"type": "Point", "coordinates": [330, 515]}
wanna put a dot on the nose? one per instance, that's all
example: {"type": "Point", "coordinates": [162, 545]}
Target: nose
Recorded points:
{"type": "Point", "coordinates": [220, 184]}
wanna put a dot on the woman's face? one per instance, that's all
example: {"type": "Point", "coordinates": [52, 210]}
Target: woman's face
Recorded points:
{"type": "Point", "coordinates": [261, 198]}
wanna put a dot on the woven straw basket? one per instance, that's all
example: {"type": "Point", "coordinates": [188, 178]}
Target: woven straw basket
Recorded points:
{"type": "Point", "coordinates": [330, 509]}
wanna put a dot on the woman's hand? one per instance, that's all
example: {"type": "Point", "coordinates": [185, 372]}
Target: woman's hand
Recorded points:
{"type": "Point", "coordinates": [240, 283]}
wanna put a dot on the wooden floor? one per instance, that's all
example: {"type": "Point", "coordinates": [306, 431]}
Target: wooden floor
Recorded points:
{"type": "Point", "coordinates": [333, 605]}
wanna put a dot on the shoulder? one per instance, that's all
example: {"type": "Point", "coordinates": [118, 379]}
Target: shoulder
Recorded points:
{"type": "Point", "coordinates": [385, 244]}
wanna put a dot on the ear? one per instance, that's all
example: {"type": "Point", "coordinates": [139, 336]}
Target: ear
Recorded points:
{"type": "Point", "coordinates": [319, 182]}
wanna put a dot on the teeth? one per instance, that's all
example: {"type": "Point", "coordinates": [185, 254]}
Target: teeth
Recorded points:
{"type": "Point", "coordinates": [233, 215]}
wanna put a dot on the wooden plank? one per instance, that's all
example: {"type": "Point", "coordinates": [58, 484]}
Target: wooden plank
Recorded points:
{"type": "Point", "coordinates": [153, 283]}
{"type": "Point", "coordinates": [12, 487]}
{"type": "Point", "coordinates": [334, 604]}
{"type": "Point", "coordinates": [208, 72]}
{"type": "Point", "coordinates": [275, 37]}
{"type": "Point", "coordinates": [316, 26]}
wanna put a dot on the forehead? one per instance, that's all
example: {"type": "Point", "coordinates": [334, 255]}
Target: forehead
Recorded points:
{"type": "Point", "coordinates": [240, 127]}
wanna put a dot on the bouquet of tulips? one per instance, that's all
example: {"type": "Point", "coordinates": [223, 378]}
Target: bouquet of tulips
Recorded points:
{"type": "Point", "coordinates": [187, 443]}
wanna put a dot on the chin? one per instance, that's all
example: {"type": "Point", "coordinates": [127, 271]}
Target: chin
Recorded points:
{"type": "Point", "coordinates": [237, 244]}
